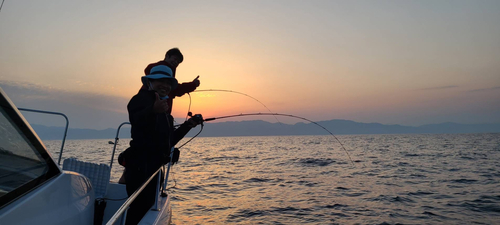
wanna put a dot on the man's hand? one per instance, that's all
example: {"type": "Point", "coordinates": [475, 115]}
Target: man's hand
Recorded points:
{"type": "Point", "coordinates": [160, 106]}
{"type": "Point", "coordinates": [196, 81]}
{"type": "Point", "coordinates": [195, 120]}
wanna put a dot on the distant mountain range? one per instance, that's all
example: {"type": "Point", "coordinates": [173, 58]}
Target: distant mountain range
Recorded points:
{"type": "Point", "coordinates": [262, 128]}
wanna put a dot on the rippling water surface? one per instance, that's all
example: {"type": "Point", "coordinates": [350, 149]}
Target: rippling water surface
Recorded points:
{"type": "Point", "coordinates": [395, 179]}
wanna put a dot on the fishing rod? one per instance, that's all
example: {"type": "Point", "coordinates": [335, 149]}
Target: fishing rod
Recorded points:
{"type": "Point", "coordinates": [230, 91]}
{"type": "Point", "coordinates": [254, 114]}
{"type": "Point", "coordinates": [199, 118]}
{"type": "Point", "coordinates": [281, 114]}
{"type": "Point", "coordinates": [220, 90]}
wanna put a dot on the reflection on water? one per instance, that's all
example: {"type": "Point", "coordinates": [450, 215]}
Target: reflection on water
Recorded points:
{"type": "Point", "coordinates": [407, 179]}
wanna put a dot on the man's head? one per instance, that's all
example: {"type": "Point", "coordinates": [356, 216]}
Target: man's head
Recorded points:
{"type": "Point", "coordinates": [160, 79]}
{"type": "Point", "coordinates": [173, 57]}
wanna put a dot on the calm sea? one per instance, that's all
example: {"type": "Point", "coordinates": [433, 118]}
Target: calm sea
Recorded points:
{"type": "Point", "coordinates": [395, 179]}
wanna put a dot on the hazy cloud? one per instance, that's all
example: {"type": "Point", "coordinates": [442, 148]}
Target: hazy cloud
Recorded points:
{"type": "Point", "coordinates": [27, 92]}
{"type": "Point", "coordinates": [85, 110]}
{"type": "Point", "coordinates": [485, 89]}
{"type": "Point", "coordinates": [438, 88]}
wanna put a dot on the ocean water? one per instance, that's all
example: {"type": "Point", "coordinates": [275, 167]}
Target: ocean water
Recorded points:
{"type": "Point", "coordinates": [393, 179]}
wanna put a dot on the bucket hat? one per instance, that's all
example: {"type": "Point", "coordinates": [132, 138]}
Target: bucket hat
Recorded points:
{"type": "Point", "coordinates": [160, 72]}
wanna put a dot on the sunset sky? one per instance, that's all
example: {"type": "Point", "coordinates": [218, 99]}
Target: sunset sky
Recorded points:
{"type": "Point", "coordinates": [391, 62]}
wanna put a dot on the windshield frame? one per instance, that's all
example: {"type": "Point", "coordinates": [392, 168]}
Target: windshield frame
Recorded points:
{"type": "Point", "coordinates": [32, 138]}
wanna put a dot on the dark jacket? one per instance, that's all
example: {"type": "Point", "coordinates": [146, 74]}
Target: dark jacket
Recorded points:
{"type": "Point", "coordinates": [182, 89]}
{"type": "Point", "coordinates": [153, 134]}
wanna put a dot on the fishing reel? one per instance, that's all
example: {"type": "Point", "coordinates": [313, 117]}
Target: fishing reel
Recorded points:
{"type": "Point", "coordinates": [198, 118]}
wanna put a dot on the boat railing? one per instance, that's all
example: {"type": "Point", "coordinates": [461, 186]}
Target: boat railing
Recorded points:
{"type": "Point", "coordinates": [66, 133]}
{"type": "Point", "coordinates": [65, 129]}
{"type": "Point", "coordinates": [123, 208]}
{"type": "Point", "coordinates": [116, 142]}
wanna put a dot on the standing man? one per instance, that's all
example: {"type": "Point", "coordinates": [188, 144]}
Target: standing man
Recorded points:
{"type": "Point", "coordinates": [173, 58]}
{"type": "Point", "coordinates": [153, 136]}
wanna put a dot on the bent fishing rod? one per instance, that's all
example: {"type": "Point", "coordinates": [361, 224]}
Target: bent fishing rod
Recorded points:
{"type": "Point", "coordinates": [254, 114]}
{"type": "Point", "coordinates": [268, 114]}
{"type": "Point", "coordinates": [222, 90]}
{"type": "Point", "coordinates": [236, 92]}
{"type": "Point", "coordinates": [189, 114]}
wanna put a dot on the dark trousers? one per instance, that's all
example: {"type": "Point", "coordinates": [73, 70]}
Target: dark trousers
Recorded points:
{"type": "Point", "coordinates": [134, 180]}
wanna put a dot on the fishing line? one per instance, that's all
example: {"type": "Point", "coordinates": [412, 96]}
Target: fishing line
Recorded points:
{"type": "Point", "coordinates": [189, 107]}
{"type": "Point", "coordinates": [255, 114]}
{"type": "Point", "coordinates": [230, 91]}
{"type": "Point", "coordinates": [221, 90]}
{"type": "Point", "coordinates": [173, 178]}
{"type": "Point", "coordinates": [280, 114]}
{"type": "Point", "coordinates": [192, 137]}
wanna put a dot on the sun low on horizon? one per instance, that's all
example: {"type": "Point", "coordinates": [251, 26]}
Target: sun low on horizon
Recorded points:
{"type": "Point", "coordinates": [393, 62]}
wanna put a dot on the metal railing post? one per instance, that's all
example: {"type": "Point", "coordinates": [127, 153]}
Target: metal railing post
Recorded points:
{"type": "Point", "coordinates": [65, 130]}
{"type": "Point", "coordinates": [124, 217]}
{"type": "Point", "coordinates": [116, 142]}
{"type": "Point", "coordinates": [158, 185]}
{"type": "Point", "coordinates": [168, 168]}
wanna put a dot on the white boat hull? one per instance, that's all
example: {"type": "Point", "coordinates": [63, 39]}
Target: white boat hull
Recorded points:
{"type": "Point", "coordinates": [66, 199]}
{"type": "Point", "coordinates": [161, 216]}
